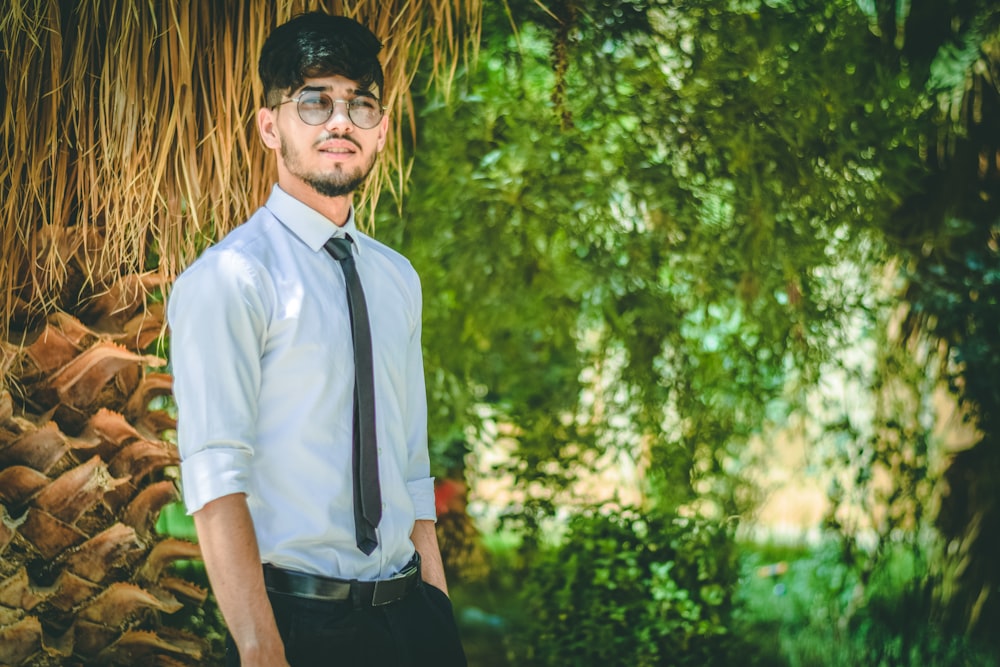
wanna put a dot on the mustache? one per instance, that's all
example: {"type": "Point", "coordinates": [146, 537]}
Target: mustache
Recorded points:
{"type": "Point", "coordinates": [333, 135]}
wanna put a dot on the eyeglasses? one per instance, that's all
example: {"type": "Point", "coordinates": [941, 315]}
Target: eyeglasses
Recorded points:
{"type": "Point", "coordinates": [315, 108]}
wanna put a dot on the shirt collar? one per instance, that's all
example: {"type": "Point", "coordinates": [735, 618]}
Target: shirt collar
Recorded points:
{"type": "Point", "coordinates": [309, 225]}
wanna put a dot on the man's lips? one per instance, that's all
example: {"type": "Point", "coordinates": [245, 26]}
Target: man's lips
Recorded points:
{"type": "Point", "coordinates": [338, 145]}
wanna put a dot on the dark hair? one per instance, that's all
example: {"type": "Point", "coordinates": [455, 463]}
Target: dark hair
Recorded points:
{"type": "Point", "coordinates": [315, 45]}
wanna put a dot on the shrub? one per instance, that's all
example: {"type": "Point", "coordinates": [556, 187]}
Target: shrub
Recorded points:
{"type": "Point", "coordinates": [818, 613]}
{"type": "Point", "coordinates": [631, 589]}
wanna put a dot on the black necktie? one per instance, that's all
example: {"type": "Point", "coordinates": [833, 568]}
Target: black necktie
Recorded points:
{"type": "Point", "coordinates": [367, 494]}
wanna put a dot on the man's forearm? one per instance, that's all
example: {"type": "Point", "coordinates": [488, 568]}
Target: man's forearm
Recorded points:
{"type": "Point", "coordinates": [232, 559]}
{"type": "Point", "coordinates": [425, 540]}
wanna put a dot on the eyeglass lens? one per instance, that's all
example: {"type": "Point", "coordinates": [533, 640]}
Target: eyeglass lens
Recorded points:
{"type": "Point", "coordinates": [316, 109]}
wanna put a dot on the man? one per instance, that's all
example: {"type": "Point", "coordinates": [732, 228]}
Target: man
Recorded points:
{"type": "Point", "coordinates": [278, 469]}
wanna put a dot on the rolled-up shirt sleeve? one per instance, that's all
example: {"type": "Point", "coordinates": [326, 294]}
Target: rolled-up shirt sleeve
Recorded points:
{"type": "Point", "coordinates": [217, 314]}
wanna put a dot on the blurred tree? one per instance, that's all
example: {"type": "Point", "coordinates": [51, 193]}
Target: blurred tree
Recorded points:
{"type": "Point", "coordinates": [656, 234]}
{"type": "Point", "coordinates": [948, 231]}
{"type": "Point", "coordinates": [650, 227]}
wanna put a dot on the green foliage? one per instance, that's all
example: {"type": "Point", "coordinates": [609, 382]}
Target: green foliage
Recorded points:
{"type": "Point", "coordinates": [650, 227]}
{"type": "Point", "coordinates": [948, 233]}
{"type": "Point", "coordinates": [175, 521]}
{"type": "Point", "coordinates": [662, 224]}
{"type": "Point", "coordinates": [621, 589]}
{"type": "Point", "coordinates": [791, 606]}
{"type": "Point", "coordinates": [818, 614]}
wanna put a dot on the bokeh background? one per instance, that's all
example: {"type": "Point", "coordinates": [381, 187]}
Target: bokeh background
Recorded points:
{"type": "Point", "coordinates": [711, 321]}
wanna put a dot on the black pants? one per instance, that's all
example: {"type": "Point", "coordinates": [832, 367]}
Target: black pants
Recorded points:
{"type": "Point", "coordinates": [415, 631]}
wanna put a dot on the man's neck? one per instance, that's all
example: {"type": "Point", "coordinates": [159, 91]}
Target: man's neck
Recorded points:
{"type": "Point", "coordinates": [335, 209]}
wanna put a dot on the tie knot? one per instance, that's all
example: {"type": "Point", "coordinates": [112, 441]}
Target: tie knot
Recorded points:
{"type": "Point", "coordinates": [339, 247]}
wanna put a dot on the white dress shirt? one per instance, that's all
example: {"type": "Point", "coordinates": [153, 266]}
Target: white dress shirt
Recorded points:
{"type": "Point", "coordinates": [263, 369]}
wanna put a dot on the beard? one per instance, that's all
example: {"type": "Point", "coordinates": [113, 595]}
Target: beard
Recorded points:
{"type": "Point", "coordinates": [334, 183]}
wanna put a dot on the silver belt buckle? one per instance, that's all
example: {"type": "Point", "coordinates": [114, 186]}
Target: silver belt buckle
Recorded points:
{"type": "Point", "coordinates": [406, 573]}
{"type": "Point", "coordinates": [375, 596]}
{"type": "Point", "coordinates": [410, 569]}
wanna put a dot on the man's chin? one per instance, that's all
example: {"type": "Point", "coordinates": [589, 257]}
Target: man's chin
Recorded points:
{"type": "Point", "coordinates": [336, 187]}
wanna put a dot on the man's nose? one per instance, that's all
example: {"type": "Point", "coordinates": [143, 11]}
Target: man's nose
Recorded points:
{"type": "Point", "coordinates": [341, 115]}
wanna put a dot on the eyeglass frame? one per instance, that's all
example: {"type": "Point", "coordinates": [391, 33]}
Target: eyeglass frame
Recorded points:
{"type": "Point", "coordinates": [333, 108]}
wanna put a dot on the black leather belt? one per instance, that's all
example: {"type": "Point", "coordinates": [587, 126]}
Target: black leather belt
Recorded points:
{"type": "Point", "coordinates": [362, 593]}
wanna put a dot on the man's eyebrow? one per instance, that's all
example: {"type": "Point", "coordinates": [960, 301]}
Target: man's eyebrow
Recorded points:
{"type": "Point", "coordinates": [357, 92]}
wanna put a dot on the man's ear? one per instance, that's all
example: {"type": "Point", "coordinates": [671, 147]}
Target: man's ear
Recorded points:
{"type": "Point", "coordinates": [267, 125]}
{"type": "Point", "coordinates": [383, 128]}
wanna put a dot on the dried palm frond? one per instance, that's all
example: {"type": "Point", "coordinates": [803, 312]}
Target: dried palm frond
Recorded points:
{"type": "Point", "coordinates": [133, 122]}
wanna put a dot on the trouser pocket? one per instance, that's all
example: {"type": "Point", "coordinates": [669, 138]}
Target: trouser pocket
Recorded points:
{"type": "Point", "coordinates": [317, 633]}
